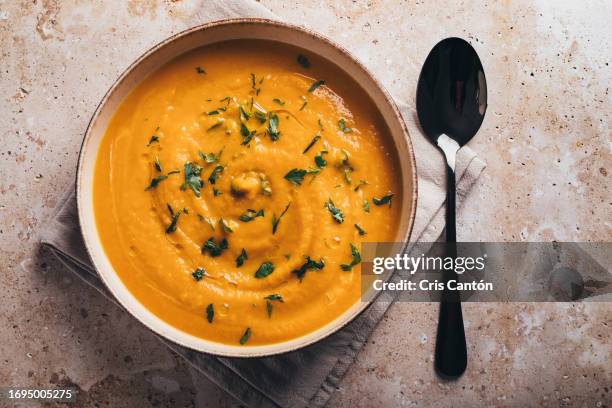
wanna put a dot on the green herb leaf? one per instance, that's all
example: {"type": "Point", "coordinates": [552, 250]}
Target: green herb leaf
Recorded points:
{"type": "Point", "coordinates": [175, 216]}
{"type": "Point", "coordinates": [280, 102]}
{"type": "Point", "coordinates": [246, 336]}
{"type": "Point", "coordinates": [192, 178]}
{"type": "Point", "coordinates": [315, 85]}
{"type": "Point", "coordinates": [360, 184]}
{"type": "Point", "coordinates": [272, 129]}
{"type": "Point", "coordinates": [312, 143]}
{"type": "Point", "coordinates": [207, 220]}
{"type": "Point", "coordinates": [155, 182]}
{"type": "Point", "coordinates": [269, 300]}
{"type": "Point", "coordinates": [215, 112]}
{"type": "Point", "coordinates": [303, 105]}
{"type": "Point", "coordinates": [361, 231]}
{"type": "Point", "coordinates": [276, 297]}
{"type": "Point", "coordinates": [335, 212]}
{"type": "Point", "coordinates": [356, 259]}
{"type": "Point", "coordinates": [198, 274]}
{"type": "Point", "coordinates": [275, 220]}
{"type": "Point", "coordinates": [366, 205]}
{"type": "Point", "coordinates": [210, 313]}
{"type": "Point", "coordinates": [243, 115]}
{"type": "Point", "coordinates": [264, 270]}
{"type": "Point", "coordinates": [308, 265]}
{"type": "Point", "coordinates": [247, 135]}
{"type": "Point", "coordinates": [383, 200]}
{"type": "Point", "coordinates": [225, 226]}
{"type": "Point", "coordinates": [157, 165]}
{"type": "Point", "coordinates": [260, 116]}
{"type": "Point", "coordinates": [250, 215]}
{"type": "Point", "coordinates": [241, 258]}
{"type": "Point", "coordinates": [213, 248]}
{"type": "Point", "coordinates": [153, 139]}
{"type": "Point", "coordinates": [227, 100]}
{"type": "Point", "coordinates": [210, 157]}
{"type": "Point", "coordinates": [220, 121]}
{"type": "Point", "coordinates": [319, 160]}
{"type": "Point", "coordinates": [200, 70]}
{"type": "Point", "coordinates": [342, 126]}
{"type": "Point", "coordinates": [296, 176]}
{"type": "Point", "coordinates": [214, 176]}
{"type": "Point", "coordinates": [216, 192]}
{"type": "Point", "coordinates": [303, 61]}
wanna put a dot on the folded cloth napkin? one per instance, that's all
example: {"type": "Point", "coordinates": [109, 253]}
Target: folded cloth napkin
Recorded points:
{"type": "Point", "coordinates": [309, 376]}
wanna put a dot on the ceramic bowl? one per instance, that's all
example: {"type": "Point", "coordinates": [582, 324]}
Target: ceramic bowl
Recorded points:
{"type": "Point", "coordinates": [166, 51]}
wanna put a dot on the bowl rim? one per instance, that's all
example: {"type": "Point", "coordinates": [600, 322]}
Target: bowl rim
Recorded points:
{"type": "Point", "coordinates": [246, 351]}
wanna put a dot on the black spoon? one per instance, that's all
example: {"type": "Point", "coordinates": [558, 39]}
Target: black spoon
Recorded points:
{"type": "Point", "coordinates": [451, 103]}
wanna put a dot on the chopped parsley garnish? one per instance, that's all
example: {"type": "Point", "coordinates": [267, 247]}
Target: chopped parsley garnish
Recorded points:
{"type": "Point", "coordinates": [246, 336]}
{"type": "Point", "coordinates": [216, 192]}
{"type": "Point", "coordinates": [319, 160]}
{"type": "Point", "coordinates": [264, 270]}
{"type": "Point", "coordinates": [214, 176]}
{"type": "Point", "coordinates": [315, 85]}
{"type": "Point", "coordinates": [269, 299]}
{"type": "Point", "coordinates": [243, 115]}
{"type": "Point", "coordinates": [241, 258]}
{"type": "Point", "coordinates": [225, 226]}
{"type": "Point", "coordinates": [303, 105]}
{"type": "Point", "coordinates": [156, 181]}
{"type": "Point", "coordinates": [157, 165]}
{"type": "Point", "coordinates": [213, 248]}
{"type": "Point", "coordinates": [274, 296]}
{"type": "Point", "coordinates": [175, 216]}
{"type": "Point", "coordinates": [361, 183]}
{"type": "Point", "coordinates": [342, 126]}
{"type": "Point", "coordinates": [250, 215]}
{"type": "Point", "coordinates": [296, 176]}
{"type": "Point", "coordinates": [208, 220]}
{"type": "Point", "coordinates": [335, 212]}
{"type": "Point", "coordinates": [220, 121]}
{"type": "Point", "coordinates": [303, 61]}
{"type": "Point", "coordinates": [198, 274]}
{"type": "Point", "coordinates": [247, 135]}
{"type": "Point", "coordinates": [312, 143]}
{"type": "Point", "coordinates": [173, 172]}
{"type": "Point", "coordinates": [192, 178]}
{"type": "Point", "coordinates": [356, 258]}
{"type": "Point", "coordinates": [280, 102]}
{"type": "Point", "coordinates": [275, 220]}
{"type": "Point", "coordinates": [153, 139]}
{"type": "Point", "coordinates": [200, 70]}
{"type": "Point", "coordinates": [308, 265]}
{"type": "Point", "coordinates": [227, 100]}
{"type": "Point", "coordinates": [383, 200]}
{"type": "Point", "coordinates": [210, 157]}
{"type": "Point", "coordinates": [366, 205]}
{"type": "Point", "coordinates": [272, 129]}
{"type": "Point", "coordinates": [215, 112]}
{"type": "Point", "coordinates": [361, 230]}
{"type": "Point", "coordinates": [210, 313]}
{"type": "Point", "coordinates": [260, 116]}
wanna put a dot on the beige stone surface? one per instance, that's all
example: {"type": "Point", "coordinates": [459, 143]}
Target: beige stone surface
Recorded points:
{"type": "Point", "coordinates": [546, 139]}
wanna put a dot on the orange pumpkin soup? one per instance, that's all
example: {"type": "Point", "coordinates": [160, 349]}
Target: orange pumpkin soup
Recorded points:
{"type": "Point", "coordinates": [233, 187]}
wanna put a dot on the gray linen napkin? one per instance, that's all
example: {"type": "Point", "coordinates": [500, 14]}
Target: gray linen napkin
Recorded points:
{"type": "Point", "coordinates": [309, 376]}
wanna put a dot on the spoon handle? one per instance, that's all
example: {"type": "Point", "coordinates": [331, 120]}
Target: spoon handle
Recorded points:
{"type": "Point", "coordinates": [451, 350]}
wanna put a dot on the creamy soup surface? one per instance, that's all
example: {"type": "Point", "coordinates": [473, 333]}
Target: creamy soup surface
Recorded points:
{"type": "Point", "coordinates": [234, 185]}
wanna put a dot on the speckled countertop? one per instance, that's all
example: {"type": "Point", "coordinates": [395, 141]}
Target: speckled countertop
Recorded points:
{"type": "Point", "coordinates": [546, 139]}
